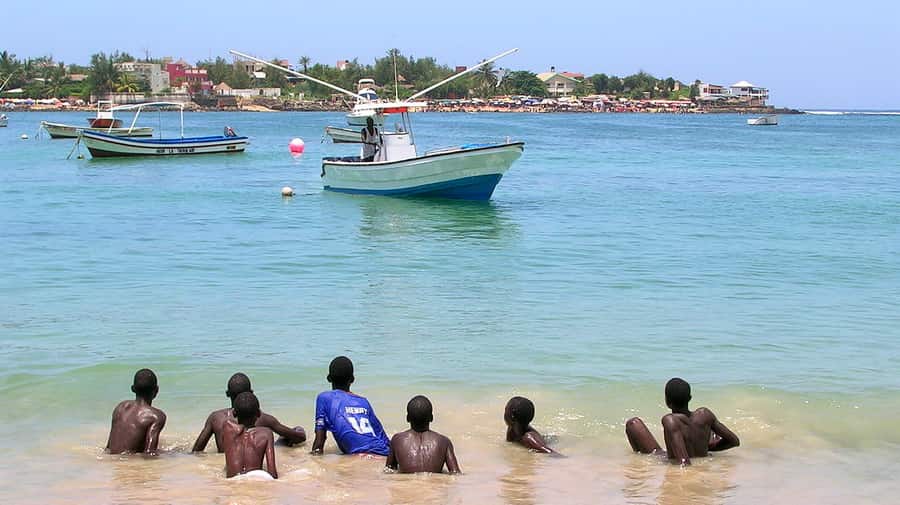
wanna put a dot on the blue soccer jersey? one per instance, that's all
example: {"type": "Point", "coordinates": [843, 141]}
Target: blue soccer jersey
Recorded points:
{"type": "Point", "coordinates": [352, 421]}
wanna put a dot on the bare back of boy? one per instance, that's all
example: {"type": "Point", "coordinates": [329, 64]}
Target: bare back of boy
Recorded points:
{"type": "Point", "coordinates": [245, 448]}
{"type": "Point", "coordinates": [694, 434]}
{"type": "Point", "coordinates": [426, 451]}
{"type": "Point", "coordinates": [135, 428]}
{"type": "Point", "coordinates": [215, 425]}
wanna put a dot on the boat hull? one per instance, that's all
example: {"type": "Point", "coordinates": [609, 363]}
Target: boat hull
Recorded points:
{"type": "Point", "coordinates": [462, 173]}
{"type": "Point", "coordinates": [64, 131]}
{"type": "Point", "coordinates": [344, 135]}
{"type": "Point", "coordinates": [106, 146]}
{"type": "Point", "coordinates": [763, 121]}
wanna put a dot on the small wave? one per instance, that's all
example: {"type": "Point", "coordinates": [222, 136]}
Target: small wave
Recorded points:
{"type": "Point", "coordinates": [851, 113]}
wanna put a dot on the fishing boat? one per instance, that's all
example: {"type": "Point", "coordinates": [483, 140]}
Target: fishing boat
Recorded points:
{"type": "Point", "coordinates": [357, 117]}
{"type": "Point", "coordinates": [104, 122]}
{"type": "Point", "coordinates": [3, 120]}
{"type": "Point", "coordinates": [767, 120]}
{"type": "Point", "coordinates": [103, 145]}
{"type": "Point", "coordinates": [468, 172]}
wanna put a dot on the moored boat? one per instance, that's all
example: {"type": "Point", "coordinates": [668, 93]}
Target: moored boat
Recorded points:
{"type": "Point", "coordinates": [468, 172]}
{"type": "Point", "coordinates": [102, 145]}
{"type": "Point", "coordinates": [104, 122]}
{"type": "Point", "coordinates": [767, 120]}
{"type": "Point", "coordinates": [64, 131]}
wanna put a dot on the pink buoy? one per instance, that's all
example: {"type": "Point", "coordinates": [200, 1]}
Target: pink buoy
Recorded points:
{"type": "Point", "coordinates": [297, 146]}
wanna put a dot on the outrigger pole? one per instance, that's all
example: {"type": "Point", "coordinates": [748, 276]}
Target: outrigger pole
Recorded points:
{"type": "Point", "coordinates": [454, 76]}
{"type": "Point", "coordinates": [294, 72]}
{"type": "Point", "coordinates": [342, 90]}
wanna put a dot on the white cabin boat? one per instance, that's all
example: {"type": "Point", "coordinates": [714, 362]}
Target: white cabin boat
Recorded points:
{"type": "Point", "coordinates": [103, 145]}
{"type": "Point", "coordinates": [104, 122]}
{"type": "Point", "coordinates": [767, 120]}
{"type": "Point", "coordinates": [3, 120]}
{"type": "Point", "coordinates": [468, 172]}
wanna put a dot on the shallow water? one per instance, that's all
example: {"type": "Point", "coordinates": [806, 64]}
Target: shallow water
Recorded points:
{"type": "Point", "coordinates": [761, 264]}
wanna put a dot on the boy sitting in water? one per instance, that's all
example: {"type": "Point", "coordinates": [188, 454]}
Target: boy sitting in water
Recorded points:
{"type": "Point", "coordinates": [136, 424]}
{"type": "Point", "coordinates": [349, 417]}
{"type": "Point", "coordinates": [419, 449]}
{"type": "Point", "coordinates": [237, 384]}
{"type": "Point", "coordinates": [687, 434]}
{"type": "Point", "coordinates": [246, 445]}
{"type": "Point", "coordinates": [518, 415]}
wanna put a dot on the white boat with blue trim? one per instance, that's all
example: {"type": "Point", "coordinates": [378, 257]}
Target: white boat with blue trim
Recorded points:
{"type": "Point", "coordinates": [467, 172]}
{"type": "Point", "coordinates": [103, 145]}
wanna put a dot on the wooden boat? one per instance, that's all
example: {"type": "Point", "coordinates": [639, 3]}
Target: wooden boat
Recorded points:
{"type": "Point", "coordinates": [103, 145]}
{"type": "Point", "coordinates": [104, 122]}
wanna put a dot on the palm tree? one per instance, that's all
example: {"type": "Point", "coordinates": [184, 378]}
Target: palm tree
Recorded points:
{"type": "Point", "coordinates": [305, 61]}
{"type": "Point", "coordinates": [124, 84]}
{"type": "Point", "coordinates": [487, 79]}
{"type": "Point", "coordinates": [103, 74]}
{"type": "Point", "coordinates": [55, 79]}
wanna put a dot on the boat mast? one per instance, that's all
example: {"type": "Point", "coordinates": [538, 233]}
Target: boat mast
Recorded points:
{"type": "Point", "coordinates": [464, 72]}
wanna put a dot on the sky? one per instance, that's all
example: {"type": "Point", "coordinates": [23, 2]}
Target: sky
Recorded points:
{"type": "Point", "coordinates": [825, 54]}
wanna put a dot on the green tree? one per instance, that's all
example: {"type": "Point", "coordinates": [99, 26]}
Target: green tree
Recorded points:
{"type": "Point", "coordinates": [125, 84]}
{"type": "Point", "coordinates": [103, 74]}
{"type": "Point", "coordinates": [218, 70]}
{"type": "Point", "coordinates": [304, 62]}
{"type": "Point", "coordinates": [55, 80]}
{"type": "Point", "coordinates": [523, 82]}
{"type": "Point", "coordinates": [239, 79]}
{"type": "Point", "coordinates": [695, 89]}
{"type": "Point", "coordinates": [275, 78]}
{"type": "Point", "coordinates": [615, 85]}
{"type": "Point", "coordinates": [600, 82]}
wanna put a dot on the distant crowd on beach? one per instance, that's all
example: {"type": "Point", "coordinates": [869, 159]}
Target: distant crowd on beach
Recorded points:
{"type": "Point", "coordinates": [246, 434]}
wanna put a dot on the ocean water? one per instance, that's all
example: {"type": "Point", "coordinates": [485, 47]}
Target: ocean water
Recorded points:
{"type": "Point", "coordinates": [760, 264]}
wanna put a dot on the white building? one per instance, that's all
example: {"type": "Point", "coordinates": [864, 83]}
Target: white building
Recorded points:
{"type": "Point", "coordinates": [248, 92]}
{"type": "Point", "coordinates": [558, 83]}
{"type": "Point", "coordinates": [706, 90]}
{"type": "Point", "coordinates": [754, 95]}
{"type": "Point", "coordinates": [152, 73]}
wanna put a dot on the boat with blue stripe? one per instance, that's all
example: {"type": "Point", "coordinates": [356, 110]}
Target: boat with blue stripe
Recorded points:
{"type": "Point", "coordinates": [103, 145]}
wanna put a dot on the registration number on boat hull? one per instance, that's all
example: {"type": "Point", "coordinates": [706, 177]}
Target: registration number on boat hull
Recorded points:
{"type": "Point", "coordinates": [175, 150]}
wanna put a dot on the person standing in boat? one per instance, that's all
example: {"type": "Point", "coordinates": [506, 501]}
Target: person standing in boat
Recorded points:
{"type": "Point", "coordinates": [371, 139]}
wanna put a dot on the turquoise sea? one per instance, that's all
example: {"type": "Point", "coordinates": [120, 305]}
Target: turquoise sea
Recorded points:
{"type": "Point", "coordinates": [762, 264]}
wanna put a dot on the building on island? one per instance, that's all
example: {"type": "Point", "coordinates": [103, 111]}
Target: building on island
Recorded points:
{"type": "Point", "coordinates": [706, 89]}
{"type": "Point", "coordinates": [560, 83]}
{"type": "Point", "coordinates": [189, 79]}
{"type": "Point", "coordinates": [749, 93]}
{"type": "Point", "coordinates": [151, 73]}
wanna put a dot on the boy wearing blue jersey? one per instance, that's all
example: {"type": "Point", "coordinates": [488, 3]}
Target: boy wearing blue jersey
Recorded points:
{"type": "Point", "coordinates": [348, 416]}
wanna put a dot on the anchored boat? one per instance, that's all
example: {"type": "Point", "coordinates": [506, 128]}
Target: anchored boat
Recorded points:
{"type": "Point", "coordinates": [767, 120]}
{"type": "Point", "coordinates": [468, 172]}
{"type": "Point", "coordinates": [102, 145]}
{"type": "Point", "coordinates": [104, 122]}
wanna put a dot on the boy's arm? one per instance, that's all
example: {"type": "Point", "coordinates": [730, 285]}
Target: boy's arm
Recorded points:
{"type": "Point", "coordinates": [391, 461]}
{"type": "Point", "coordinates": [452, 464]}
{"type": "Point", "coordinates": [205, 435]}
{"type": "Point", "coordinates": [319, 441]}
{"type": "Point", "coordinates": [534, 441]}
{"type": "Point", "coordinates": [725, 439]}
{"type": "Point", "coordinates": [270, 455]}
{"type": "Point", "coordinates": [293, 436]}
{"type": "Point", "coordinates": [112, 423]}
{"type": "Point", "coordinates": [676, 447]}
{"type": "Point", "coordinates": [152, 441]}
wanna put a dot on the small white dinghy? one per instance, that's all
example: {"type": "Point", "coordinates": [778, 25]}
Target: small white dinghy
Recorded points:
{"type": "Point", "coordinates": [767, 120]}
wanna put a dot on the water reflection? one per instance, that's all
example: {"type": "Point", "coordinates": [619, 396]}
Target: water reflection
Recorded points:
{"type": "Point", "coordinates": [653, 480]}
{"type": "Point", "coordinates": [433, 218]}
{"type": "Point", "coordinates": [517, 486]}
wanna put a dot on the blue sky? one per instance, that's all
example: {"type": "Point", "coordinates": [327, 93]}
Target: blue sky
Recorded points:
{"type": "Point", "coordinates": [810, 54]}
